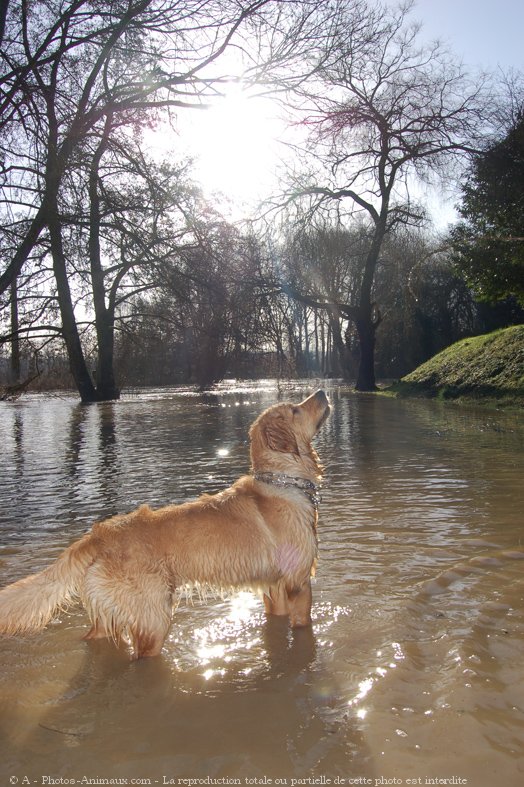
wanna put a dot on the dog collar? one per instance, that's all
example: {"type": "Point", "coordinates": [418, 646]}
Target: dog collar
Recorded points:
{"type": "Point", "coordinates": [310, 489]}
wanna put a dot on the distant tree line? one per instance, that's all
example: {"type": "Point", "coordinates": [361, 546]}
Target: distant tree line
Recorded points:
{"type": "Point", "coordinates": [223, 311]}
{"type": "Point", "coordinates": [115, 270]}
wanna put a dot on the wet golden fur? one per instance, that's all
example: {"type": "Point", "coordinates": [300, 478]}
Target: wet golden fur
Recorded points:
{"type": "Point", "coordinates": [128, 569]}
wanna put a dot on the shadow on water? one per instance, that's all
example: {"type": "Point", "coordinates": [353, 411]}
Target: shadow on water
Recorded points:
{"type": "Point", "coordinates": [413, 668]}
{"type": "Point", "coordinates": [106, 717]}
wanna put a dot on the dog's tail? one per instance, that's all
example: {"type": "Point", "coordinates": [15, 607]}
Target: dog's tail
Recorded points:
{"type": "Point", "coordinates": [29, 604]}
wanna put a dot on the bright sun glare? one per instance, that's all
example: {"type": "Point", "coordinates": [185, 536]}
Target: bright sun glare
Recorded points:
{"type": "Point", "coordinates": [234, 145]}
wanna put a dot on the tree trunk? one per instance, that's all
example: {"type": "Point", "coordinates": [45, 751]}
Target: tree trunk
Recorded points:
{"type": "Point", "coordinates": [366, 329]}
{"type": "Point", "coordinates": [54, 170]}
{"type": "Point", "coordinates": [24, 249]}
{"type": "Point", "coordinates": [77, 362]}
{"type": "Point", "coordinates": [106, 388]}
{"type": "Point", "coordinates": [15, 338]}
{"type": "Point", "coordinates": [366, 320]}
{"type": "Point", "coordinates": [341, 361]}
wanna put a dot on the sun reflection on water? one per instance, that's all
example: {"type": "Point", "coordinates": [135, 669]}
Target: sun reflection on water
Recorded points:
{"type": "Point", "coordinates": [365, 686]}
{"type": "Point", "coordinates": [242, 606]}
{"type": "Point", "coordinates": [229, 638]}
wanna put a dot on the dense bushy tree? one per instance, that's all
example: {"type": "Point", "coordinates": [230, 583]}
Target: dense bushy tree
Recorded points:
{"type": "Point", "coordinates": [425, 304]}
{"type": "Point", "coordinates": [489, 241]}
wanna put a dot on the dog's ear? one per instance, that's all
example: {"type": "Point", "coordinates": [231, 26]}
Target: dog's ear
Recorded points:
{"type": "Point", "coordinates": [279, 436]}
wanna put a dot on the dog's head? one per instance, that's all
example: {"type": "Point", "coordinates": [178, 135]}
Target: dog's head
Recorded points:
{"type": "Point", "coordinates": [281, 437]}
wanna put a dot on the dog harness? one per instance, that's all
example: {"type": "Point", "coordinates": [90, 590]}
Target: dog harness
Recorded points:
{"type": "Point", "coordinates": [309, 488]}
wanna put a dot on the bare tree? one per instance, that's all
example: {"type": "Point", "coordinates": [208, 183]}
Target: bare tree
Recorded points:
{"type": "Point", "coordinates": [203, 318]}
{"type": "Point", "coordinates": [72, 72]}
{"type": "Point", "coordinates": [321, 267]}
{"type": "Point", "coordinates": [380, 112]}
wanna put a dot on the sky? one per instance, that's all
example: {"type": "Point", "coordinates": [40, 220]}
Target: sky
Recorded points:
{"type": "Point", "coordinates": [482, 33]}
{"type": "Point", "coordinates": [235, 143]}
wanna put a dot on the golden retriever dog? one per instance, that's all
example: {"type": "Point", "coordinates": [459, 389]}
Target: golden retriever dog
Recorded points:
{"type": "Point", "coordinates": [258, 534]}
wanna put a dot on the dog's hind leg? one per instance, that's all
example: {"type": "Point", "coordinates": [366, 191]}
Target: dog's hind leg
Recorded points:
{"type": "Point", "coordinates": [150, 609]}
{"type": "Point", "coordinates": [120, 604]}
{"type": "Point", "coordinates": [151, 624]}
{"type": "Point", "coordinates": [97, 631]}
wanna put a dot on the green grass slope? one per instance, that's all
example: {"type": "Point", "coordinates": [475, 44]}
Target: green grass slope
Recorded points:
{"type": "Point", "coordinates": [487, 368]}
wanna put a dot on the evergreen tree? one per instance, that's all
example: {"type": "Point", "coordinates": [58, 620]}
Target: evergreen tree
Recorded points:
{"type": "Point", "coordinates": [489, 241]}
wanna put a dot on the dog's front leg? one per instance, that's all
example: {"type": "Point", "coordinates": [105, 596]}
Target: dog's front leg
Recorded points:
{"type": "Point", "coordinates": [296, 603]}
{"type": "Point", "coordinates": [299, 605]}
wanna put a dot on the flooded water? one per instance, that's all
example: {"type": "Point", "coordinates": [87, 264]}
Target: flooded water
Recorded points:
{"type": "Point", "coordinates": [413, 672]}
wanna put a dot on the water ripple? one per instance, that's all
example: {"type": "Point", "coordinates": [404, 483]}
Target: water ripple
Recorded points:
{"type": "Point", "coordinates": [418, 622]}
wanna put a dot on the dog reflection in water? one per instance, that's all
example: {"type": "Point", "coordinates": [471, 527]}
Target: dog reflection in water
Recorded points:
{"type": "Point", "coordinates": [258, 534]}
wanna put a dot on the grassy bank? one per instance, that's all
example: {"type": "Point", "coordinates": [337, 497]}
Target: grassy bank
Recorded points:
{"type": "Point", "coordinates": [488, 369]}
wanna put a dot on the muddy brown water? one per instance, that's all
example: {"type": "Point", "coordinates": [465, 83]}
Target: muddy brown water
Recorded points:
{"type": "Point", "coordinates": [413, 672]}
